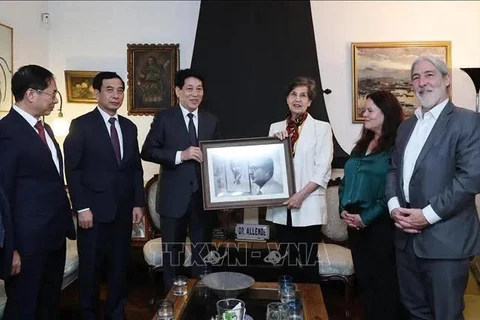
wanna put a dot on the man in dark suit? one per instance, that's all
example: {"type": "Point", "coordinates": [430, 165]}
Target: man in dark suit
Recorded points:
{"type": "Point", "coordinates": [173, 143]}
{"type": "Point", "coordinates": [31, 175]}
{"type": "Point", "coordinates": [431, 188]}
{"type": "Point", "coordinates": [105, 178]}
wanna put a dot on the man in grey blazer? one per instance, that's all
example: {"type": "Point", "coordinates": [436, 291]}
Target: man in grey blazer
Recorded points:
{"type": "Point", "coordinates": [431, 187]}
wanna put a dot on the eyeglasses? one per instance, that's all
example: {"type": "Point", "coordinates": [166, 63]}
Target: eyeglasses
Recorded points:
{"type": "Point", "coordinates": [53, 95]}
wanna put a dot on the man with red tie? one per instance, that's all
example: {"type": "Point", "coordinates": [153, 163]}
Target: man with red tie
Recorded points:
{"type": "Point", "coordinates": [40, 217]}
{"type": "Point", "coordinates": [105, 179]}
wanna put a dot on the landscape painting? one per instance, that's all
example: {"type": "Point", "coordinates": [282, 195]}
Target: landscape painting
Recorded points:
{"type": "Point", "coordinates": [386, 66]}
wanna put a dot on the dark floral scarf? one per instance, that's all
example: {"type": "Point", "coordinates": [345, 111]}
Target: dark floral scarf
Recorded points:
{"type": "Point", "coordinates": [293, 128]}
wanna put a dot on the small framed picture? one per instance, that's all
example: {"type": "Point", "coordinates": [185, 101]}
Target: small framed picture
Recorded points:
{"type": "Point", "coordinates": [79, 86]}
{"type": "Point", "coordinates": [251, 172]}
{"type": "Point", "coordinates": [140, 232]}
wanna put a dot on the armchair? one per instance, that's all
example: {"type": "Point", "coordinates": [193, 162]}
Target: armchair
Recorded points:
{"type": "Point", "coordinates": [335, 259]}
{"type": "Point", "coordinates": [152, 250]}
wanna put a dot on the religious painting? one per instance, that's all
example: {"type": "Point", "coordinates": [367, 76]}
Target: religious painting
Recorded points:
{"type": "Point", "coordinates": [151, 71]}
{"type": "Point", "coordinates": [386, 66]}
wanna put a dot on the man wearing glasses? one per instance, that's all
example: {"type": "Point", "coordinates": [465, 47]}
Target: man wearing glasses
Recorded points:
{"type": "Point", "coordinates": [31, 175]}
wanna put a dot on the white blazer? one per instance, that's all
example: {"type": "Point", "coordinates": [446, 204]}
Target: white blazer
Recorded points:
{"type": "Point", "coordinates": [312, 162]}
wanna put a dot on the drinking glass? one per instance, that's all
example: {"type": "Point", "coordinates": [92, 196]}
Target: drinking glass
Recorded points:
{"type": "Point", "coordinates": [165, 310]}
{"type": "Point", "coordinates": [278, 311]}
{"type": "Point", "coordinates": [296, 312]}
{"type": "Point", "coordinates": [287, 293]}
{"type": "Point", "coordinates": [230, 309]}
{"type": "Point", "coordinates": [283, 280]}
{"type": "Point", "coordinates": [180, 286]}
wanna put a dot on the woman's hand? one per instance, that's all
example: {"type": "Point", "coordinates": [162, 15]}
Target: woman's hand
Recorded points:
{"type": "Point", "coordinates": [281, 135]}
{"type": "Point", "coordinates": [353, 220]}
{"type": "Point", "coordinates": [295, 201]}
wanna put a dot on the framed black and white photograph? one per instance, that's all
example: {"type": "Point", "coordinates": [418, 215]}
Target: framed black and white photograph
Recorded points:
{"type": "Point", "coordinates": [251, 172]}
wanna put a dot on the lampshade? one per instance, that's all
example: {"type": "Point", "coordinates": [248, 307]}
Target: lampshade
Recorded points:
{"type": "Point", "coordinates": [60, 127]}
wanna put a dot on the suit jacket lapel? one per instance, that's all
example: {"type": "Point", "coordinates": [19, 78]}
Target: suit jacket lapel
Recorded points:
{"type": "Point", "coordinates": [409, 127]}
{"type": "Point", "coordinates": [201, 126]}
{"type": "Point", "coordinates": [125, 138]}
{"type": "Point", "coordinates": [104, 135]}
{"type": "Point", "coordinates": [57, 147]}
{"type": "Point", "coordinates": [36, 144]}
{"type": "Point", "coordinates": [434, 134]}
{"type": "Point", "coordinates": [181, 123]}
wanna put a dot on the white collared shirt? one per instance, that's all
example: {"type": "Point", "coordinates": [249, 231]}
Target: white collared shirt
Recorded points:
{"type": "Point", "coordinates": [422, 130]}
{"type": "Point", "coordinates": [107, 117]}
{"type": "Point", "coordinates": [185, 112]}
{"type": "Point", "coordinates": [32, 121]}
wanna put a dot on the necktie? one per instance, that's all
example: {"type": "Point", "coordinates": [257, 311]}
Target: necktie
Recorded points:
{"type": "Point", "coordinates": [41, 131]}
{"type": "Point", "coordinates": [192, 132]}
{"type": "Point", "coordinates": [194, 142]}
{"type": "Point", "coordinates": [114, 138]}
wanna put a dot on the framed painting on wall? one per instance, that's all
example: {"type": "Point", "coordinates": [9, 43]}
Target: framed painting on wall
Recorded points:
{"type": "Point", "coordinates": [79, 86]}
{"type": "Point", "coordinates": [386, 66]}
{"type": "Point", "coordinates": [151, 71]}
{"type": "Point", "coordinates": [6, 68]}
{"type": "Point", "coordinates": [250, 172]}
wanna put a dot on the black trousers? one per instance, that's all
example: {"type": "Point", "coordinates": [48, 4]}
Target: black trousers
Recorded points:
{"type": "Point", "coordinates": [35, 292]}
{"type": "Point", "coordinates": [104, 243]}
{"type": "Point", "coordinates": [299, 247]}
{"type": "Point", "coordinates": [373, 256]}
{"type": "Point", "coordinates": [198, 224]}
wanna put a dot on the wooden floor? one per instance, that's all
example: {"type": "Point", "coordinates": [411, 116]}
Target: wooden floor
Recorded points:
{"type": "Point", "coordinates": [138, 307]}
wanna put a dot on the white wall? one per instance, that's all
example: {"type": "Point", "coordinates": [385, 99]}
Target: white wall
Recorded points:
{"type": "Point", "coordinates": [30, 39]}
{"type": "Point", "coordinates": [94, 36]}
{"type": "Point", "coordinates": [339, 23]}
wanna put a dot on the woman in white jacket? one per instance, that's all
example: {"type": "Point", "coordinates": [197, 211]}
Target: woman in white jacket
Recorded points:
{"type": "Point", "coordinates": [298, 223]}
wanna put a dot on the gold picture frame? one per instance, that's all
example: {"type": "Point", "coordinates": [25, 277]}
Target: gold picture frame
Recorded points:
{"type": "Point", "coordinates": [79, 86]}
{"type": "Point", "coordinates": [386, 66]}
{"type": "Point", "coordinates": [151, 71]}
{"type": "Point", "coordinates": [6, 67]}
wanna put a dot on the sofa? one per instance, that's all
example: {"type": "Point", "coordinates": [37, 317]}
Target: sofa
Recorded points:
{"type": "Point", "coordinates": [70, 272]}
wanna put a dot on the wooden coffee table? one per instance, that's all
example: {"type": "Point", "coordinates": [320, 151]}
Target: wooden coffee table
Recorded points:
{"type": "Point", "coordinates": [309, 294]}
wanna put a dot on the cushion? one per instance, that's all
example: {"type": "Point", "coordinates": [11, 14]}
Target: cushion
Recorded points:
{"type": "Point", "coordinates": [151, 202]}
{"type": "Point", "coordinates": [71, 260]}
{"type": "Point", "coordinates": [336, 228]}
{"type": "Point", "coordinates": [152, 253]}
{"type": "Point", "coordinates": [334, 259]}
